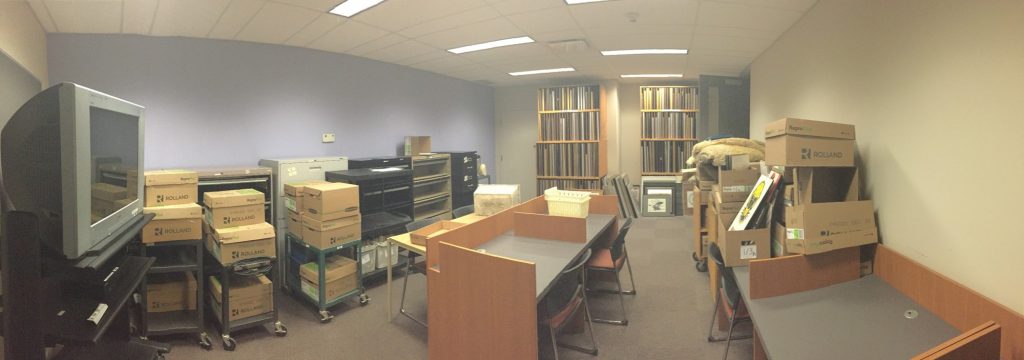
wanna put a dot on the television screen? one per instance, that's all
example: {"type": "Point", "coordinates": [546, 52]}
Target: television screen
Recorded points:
{"type": "Point", "coordinates": [114, 148]}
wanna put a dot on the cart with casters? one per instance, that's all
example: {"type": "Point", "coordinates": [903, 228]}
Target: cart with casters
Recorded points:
{"type": "Point", "coordinates": [175, 257]}
{"type": "Point", "coordinates": [299, 253]}
{"type": "Point", "coordinates": [224, 274]}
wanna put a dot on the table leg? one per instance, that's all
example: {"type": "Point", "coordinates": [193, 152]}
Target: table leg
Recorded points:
{"type": "Point", "coordinates": [387, 302]}
{"type": "Point", "coordinates": [759, 353]}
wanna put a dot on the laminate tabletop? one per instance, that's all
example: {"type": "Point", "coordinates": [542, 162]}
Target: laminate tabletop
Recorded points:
{"type": "Point", "coordinates": [860, 319]}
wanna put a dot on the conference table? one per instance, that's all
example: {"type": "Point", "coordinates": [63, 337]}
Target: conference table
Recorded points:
{"type": "Point", "coordinates": [864, 318]}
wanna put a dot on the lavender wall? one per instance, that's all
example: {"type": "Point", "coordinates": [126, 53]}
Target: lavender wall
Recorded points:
{"type": "Point", "coordinates": [219, 103]}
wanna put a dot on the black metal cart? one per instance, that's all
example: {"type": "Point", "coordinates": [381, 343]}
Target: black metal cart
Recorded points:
{"type": "Point", "coordinates": [224, 274]}
{"type": "Point", "coordinates": [299, 253]}
{"type": "Point", "coordinates": [185, 256]}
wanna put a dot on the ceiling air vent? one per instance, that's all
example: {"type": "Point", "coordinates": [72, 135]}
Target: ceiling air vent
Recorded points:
{"type": "Point", "coordinates": [569, 46]}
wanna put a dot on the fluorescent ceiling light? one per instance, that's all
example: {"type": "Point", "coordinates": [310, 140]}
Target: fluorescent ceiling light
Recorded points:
{"type": "Point", "coordinates": [653, 76]}
{"type": "Point", "coordinates": [352, 7]}
{"type": "Point", "coordinates": [574, 2]}
{"type": "Point", "coordinates": [491, 45]}
{"type": "Point", "coordinates": [542, 71]}
{"type": "Point", "coordinates": [645, 52]}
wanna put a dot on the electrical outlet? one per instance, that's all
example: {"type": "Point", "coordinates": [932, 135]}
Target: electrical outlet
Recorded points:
{"type": "Point", "coordinates": [328, 137]}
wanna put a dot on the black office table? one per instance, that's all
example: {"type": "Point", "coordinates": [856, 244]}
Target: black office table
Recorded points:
{"type": "Point", "coordinates": [550, 257]}
{"type": "Point", "coordinates": [860, 319]}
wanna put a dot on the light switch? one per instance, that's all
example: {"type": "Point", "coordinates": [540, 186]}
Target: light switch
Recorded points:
{"type": "Point", "coordinates": [328, 137]}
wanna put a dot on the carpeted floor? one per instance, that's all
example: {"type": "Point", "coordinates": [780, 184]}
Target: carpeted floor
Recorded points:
{"type": "Point", "coordinates": [668, 318]}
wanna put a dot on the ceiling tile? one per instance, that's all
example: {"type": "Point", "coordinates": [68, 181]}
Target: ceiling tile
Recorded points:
{"type": "Point", "coordinates": [490, 30]}
{"type": "Point", "coordinates": [736, 32]}
{"type": "Point", "coordinates": [746, 16]}
{"type": "Point", "coordinates": [383, 42]}
{"type": "Point", "coordinates": [315, 29]}
{"type": "Point", "coordinates": [559, 35]}
{"type": "Point", "coordinates": [275, 23]}
{"type": "Point", "coordinates": [98, 16]}
{"type": "Point", "coordinates": [193, 18]}
{"type": "Point", "coordinates": [433, 55]}
{"type": "Point", "coordinates": [238, 13]}
{"type": "Point", "coordinates": [396, 15]}
{"type": "Point", "coordinates": [542, 21]}
{"type": "Point", "coordinates": [652, 41]}
{"type": "Point", "coordinates": [636, 29]}
{"type": "Point", "coordinates": [403, 50]}
{"type": "Point", "coordinates": [652, 64]}
{"type": "Point", "coordinates": [450, 22]}
{"type": "Point", "coordinates": [347, 36]}
{"type": "Point", "coordinates": [796, 5]}
{"type": "Point", "coordinates": [43, 14]}
{"type": "Point", "coordinates": [509, 53]}
{"type": "Point", "coordinates": [532, 63]}
{"type": "Point", "coordinates": [672, 13]}
{"type": "Point", "coordinates": [443, 64]}
{"type": "Point", "coordinates": [315, 5]}
{"type": "Point", "coordinates": [509, 7]}
{"type": "Point", "coordinates": [138, 16]}
{"type": "Point", "coordinates": [729, 43]}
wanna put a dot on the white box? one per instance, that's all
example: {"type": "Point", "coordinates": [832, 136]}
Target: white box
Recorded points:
{"type": "Point", "coordinates": [368, 258]}
{"type": "Point", "coordinates": [490, 199]}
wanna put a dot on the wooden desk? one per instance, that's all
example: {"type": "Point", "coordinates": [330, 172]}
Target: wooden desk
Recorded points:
{"type": "Point", "coordinates": [405, 241]}
{"type": "Point", "coordinates": [858, 319]}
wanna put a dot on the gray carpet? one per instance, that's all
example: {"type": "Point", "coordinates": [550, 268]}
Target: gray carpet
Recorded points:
{"type": "Point", "coordinates": [668, 318]}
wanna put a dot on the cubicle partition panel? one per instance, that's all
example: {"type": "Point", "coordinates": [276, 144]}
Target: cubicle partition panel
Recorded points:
{"type": "Point", "coordinates": [797, 273]}
{"type": "Point", "coordinates": [982, 342]}
{"type": "Point", "coordinates": [958, 305]}
{"type": "Point", "coordinates": [561, 228]}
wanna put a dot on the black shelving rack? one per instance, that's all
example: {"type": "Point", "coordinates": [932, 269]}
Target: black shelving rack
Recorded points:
{"type": "Point", "coordinates": [175, 257]}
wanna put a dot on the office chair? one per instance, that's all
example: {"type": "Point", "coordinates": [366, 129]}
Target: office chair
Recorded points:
{"type": "Point", "coordinates": [611, 259]}
{"type": "Point", "coordinates": [734, 307]}
{"type": "Point", "coordinates": [563, 301]}
{"type": "Point", "coordinates": [411, 268]}
{"type": "Point", "coordinates": [462, 211]}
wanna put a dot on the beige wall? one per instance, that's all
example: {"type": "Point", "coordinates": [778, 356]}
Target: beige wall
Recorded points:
{"type": "Point", "coordinates": [935, 90]}
{"type": "Point", "coordinates": [22, 38]}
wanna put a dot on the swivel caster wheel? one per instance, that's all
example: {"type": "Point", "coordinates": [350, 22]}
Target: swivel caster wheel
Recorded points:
{"type": "Point", "coordinates": [325, 316]}
{"type": "Point", "coordinates": [229, 342]}
{"type": "Point", "coordinates": [702, 266]}
{"type": "Point", "coordinates": [694, 256]}
{"type": "Point", "coordinates": [205, 342]}
{"type": "Point", "coordinates": [280, 330]}
{"type": "Point", "coordinates": [364, 299]}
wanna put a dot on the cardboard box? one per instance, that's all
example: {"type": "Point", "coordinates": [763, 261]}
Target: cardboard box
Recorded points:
{"type": "Point", "coordinates": [230, 198]}
{"type": "Point", "coordinates": [248, 296]}
{"type": "Point", "coordinates": [712, 228]}
{"type": "Point", "coordinates": [735, 185]}
{"type": "Point", "coordinates": [817, 228]}
{"type": "Point", "coordinates": [171, 212]}
{"type": "Point", "coordinates": [490, 199]}
{"type": "Point", "coordinates": [779, 241]}
{"type": "Point", "coordinates": [171, 292]}
{"type": "Point", "coordinates": [415, 145]}
{"type": "Point", "coordinates": [108, 192]}
{"type": "Point", "coordinates": [232, 216]}
{"type": "Point", "coordinates": [230, 245]}
{"type": "Point", "coordinates": [171, 177]}
{"type": "Point", "coordinates": [419, 237]}
{"type": "Point", "coordinates": [824, 185]}
{"type": "Point", "coordinates": [323, 234]}
{"type": "Point", "coordinates": [163, 195]}
{"type": "Point", "coordinates": [295, 224]}
{"type": "Point", "coordinates": [172, 230]}
{"type": "Point", "coordinates": [739, 247]}
{"type": "Point", "coordinates": [799, 142]}
{"type": "Point", "coordinates": [338, 266]}
{"type": "Point", "coordinates": [335, 288]}
{"type": "Point", "coordinates": [330, 201]}
{"type": "Point", "coordinates": [293, 194]}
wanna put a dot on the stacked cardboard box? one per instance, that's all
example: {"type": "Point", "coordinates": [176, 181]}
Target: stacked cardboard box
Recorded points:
{"type": "Point", "coordinates": [248, 296]}
{"type": "Point", "coordinates": [727, 197]}
{"type": "Point", "coordinates": [171, 197]}
{"type": "Point", "coordinates": [340, 276]}
{"type": "Point", "coordinates": [293, 196]}
{"type": "Point", "coordinates": [823, 209]}
{"type": "Point", "coordinates": [171, 292]}
{"type": "Point", "coordinates": [236, 226]}
{"type": "Point", "coordinates": [330, 214]}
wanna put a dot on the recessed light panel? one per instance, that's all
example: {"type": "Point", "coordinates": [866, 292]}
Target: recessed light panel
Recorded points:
{"type": "Point", "coordinates": [645, 52]}
{"type": "Point", "coordinates": [352, 7]}
{"type": "Point", "coordinates": [542, 71]}
{"type": "Point", "coordinates": [491, 45]}
{"type": "Point", "coordinates": [652, 76]}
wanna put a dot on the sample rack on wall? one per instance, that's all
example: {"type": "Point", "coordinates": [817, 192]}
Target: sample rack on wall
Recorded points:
{"type": "Point", "coordinates": [669, 127]}
{"type": "Point", "coordinates": [571, 141]}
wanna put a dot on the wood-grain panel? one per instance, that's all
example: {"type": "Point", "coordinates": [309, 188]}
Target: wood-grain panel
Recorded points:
{"type": "Point", "coordinates": [958, 305]}
{"type": "Point", "coordinates": [796, 273]}
{"type": "Point", "coordinates": [560, 228]}
{"type": "Point", "coordinates": [981, 342]}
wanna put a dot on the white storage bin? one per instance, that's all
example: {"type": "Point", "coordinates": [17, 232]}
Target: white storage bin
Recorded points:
{"type": "Point", "coordinates": [567, 203]}
{"type": "Point", "coordinates": [382, 254]}
{"type": "Point", "coordinates": [368, 257]}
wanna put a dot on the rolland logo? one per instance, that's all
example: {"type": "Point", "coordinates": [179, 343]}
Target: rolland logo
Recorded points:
{"type": "Point", "coordinates": [158, 232]}
{"type": "Point", "coordinates": [808, 154]}
{"type": "Point", "coordinates": [163, 198]}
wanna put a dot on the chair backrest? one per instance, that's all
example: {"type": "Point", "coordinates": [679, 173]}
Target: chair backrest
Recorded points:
{"type": "Point", "coordinates": [418, 224]}
{"type": "Point", "coordinates": [462, 211]}
{"type": "Point", "coordinates": [726, 278]}
{"type": "Point", "coordinates": [567, 287]}
{"type": "Point", "coordinates": [620, 240]}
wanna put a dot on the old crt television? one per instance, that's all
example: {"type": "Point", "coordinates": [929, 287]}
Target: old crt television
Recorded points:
{"type": "Point", "coordinates": [70, 155]}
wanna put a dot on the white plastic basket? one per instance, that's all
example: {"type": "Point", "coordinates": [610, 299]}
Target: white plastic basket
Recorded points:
{"type": "Point", "coordinates": [567, 203]}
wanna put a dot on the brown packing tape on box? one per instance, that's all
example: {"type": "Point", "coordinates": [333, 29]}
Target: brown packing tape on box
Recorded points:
{"type": "Point", "coordinates": [171, 292]}
{"type": "Point", "coordinates": [163, 195]}
{"type": "Point", "coordinates": [234, 216]}
{"type": "Point", "coordinates": [170, 177]}
{"type": "Point", "coordinates": [330, 201]}
{"type": "Point", "coordinates": [329, 233]}
{"type": "Point", "coordinates": [229, 198]}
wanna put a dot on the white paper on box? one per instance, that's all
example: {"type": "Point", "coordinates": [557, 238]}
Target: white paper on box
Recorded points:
{"type": "Point", "coordinates": [794, 234]}
{"type": "Point", "coordinates": [748, 250]}
{"type": "Point", "coordinates": [738, 188]}
{"type": "Point", "coordinates": [290, 204]}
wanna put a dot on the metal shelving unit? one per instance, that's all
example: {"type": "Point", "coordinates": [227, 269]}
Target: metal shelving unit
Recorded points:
{"type": "Point", "coordinates": [299, 253]}
{"type": "Point", "coordinates": [224, 273]}
{"type": "Point", "coordinates": [184, 256]}
{"type": "Point", "coordinates": [432, 186]}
